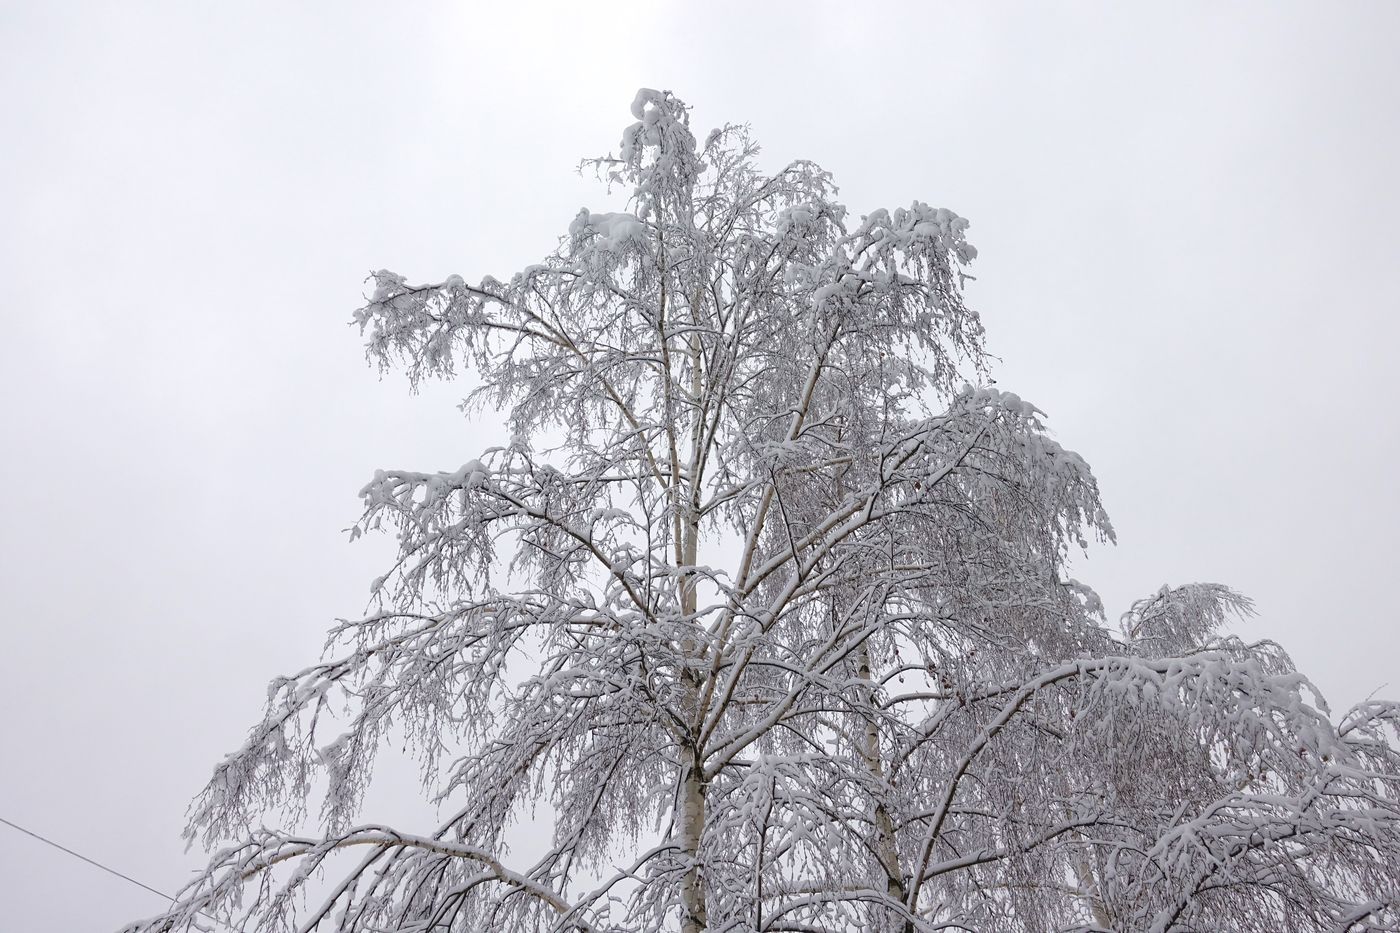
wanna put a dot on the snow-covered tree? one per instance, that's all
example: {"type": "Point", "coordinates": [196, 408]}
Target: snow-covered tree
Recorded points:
{"type": "Point", "coordinates": [766, 608]}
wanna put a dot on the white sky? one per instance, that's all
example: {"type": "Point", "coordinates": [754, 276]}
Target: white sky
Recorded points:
{"type": "Point", "coordinates": [1187, 219]}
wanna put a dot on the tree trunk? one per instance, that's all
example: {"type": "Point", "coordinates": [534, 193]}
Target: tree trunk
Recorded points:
{"type": "Point", "coordinates": [885, 847]}
{"type": "Point", "coordinates": [1089, 885]}
{"type": "Point", "coordinates": [692, 822]}
{"type": "Point", "coordinates": [692, 803]}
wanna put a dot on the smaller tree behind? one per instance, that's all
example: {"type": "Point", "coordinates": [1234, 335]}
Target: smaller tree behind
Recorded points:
{"type": "Point", "coordinates": [802, 652]}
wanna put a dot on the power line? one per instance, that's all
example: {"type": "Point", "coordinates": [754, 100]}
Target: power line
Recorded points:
{"type": "Point", "coordinates": [79, 855]}
{"type": "Point", "coordinates": [97, 864]}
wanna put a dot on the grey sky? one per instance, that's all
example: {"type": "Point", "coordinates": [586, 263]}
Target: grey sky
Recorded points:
{"type": "Point", "coordinates": [1187, 220]}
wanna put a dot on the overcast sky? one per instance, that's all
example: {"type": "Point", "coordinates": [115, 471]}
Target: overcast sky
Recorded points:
{"type": "Point", "coordinates": [1187, 219]}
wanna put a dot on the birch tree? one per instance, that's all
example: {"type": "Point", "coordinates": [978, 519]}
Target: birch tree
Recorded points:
{"type": "Point", "coordinates": [765, 606]}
